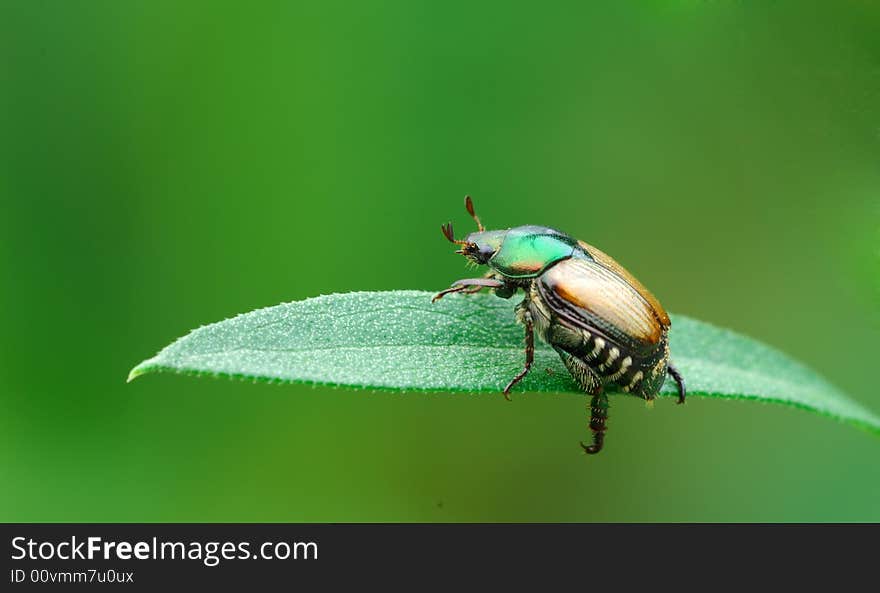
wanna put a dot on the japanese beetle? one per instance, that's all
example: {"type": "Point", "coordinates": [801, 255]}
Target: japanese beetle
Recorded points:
{"type": "Point", "coordinates": [607, 328]}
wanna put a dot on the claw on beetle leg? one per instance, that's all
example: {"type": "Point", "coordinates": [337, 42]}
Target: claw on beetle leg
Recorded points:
{"type": "Point", "coordinates": [598, 439]}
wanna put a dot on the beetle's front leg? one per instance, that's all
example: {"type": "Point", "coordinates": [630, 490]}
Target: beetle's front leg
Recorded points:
{"type": "Point", "coordinates": [477, 288]}
{"type": "Point", "coordinates": [505, 292]}
{"type": "Point", "coordinates": [524, 317]}
{"type": "Point", "coordinates": [468, 285]}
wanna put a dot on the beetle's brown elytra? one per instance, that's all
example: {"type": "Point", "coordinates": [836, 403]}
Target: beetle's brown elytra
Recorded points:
{"type": "Point", "coordinates": [588, 286]}
{"type": "Point", "coordinates": [609, 330]}
{"type": "Point", "coordinates": [606, 260]}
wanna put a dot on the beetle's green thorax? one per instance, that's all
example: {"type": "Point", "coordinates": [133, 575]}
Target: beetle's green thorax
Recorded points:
{"type": "Point", "coordinates": [526, 251]}
{"type": "Point", "coordinates": [521, 252]}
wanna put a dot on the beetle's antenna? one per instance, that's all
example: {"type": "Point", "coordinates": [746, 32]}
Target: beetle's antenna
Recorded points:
{"type": "Point", "coordinates": [469, 204]}
{"type": "Point", "coordinates": [450, 236]}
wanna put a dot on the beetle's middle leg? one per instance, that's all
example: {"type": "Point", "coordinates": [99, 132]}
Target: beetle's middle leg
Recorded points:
{"type": "Point", "coordinates": [524, 317]}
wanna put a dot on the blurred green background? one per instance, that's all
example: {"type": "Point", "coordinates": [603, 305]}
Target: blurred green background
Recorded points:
{"type": "Point", "coordinates": [165, 165]}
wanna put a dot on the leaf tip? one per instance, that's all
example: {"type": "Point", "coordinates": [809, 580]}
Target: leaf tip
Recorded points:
{"type": "Point", "coordinates": [137, 371]}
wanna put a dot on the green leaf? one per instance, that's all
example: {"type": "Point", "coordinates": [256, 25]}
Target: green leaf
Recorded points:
{"type": "Point", "coordinates": [401, 341]}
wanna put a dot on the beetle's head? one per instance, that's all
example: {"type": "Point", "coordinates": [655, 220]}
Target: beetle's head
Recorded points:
{"type": "Point", "coordinates": [478, 247]}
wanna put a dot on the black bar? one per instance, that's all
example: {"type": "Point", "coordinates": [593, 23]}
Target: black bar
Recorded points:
{"type": "Point", "coordinates": [417, 556]}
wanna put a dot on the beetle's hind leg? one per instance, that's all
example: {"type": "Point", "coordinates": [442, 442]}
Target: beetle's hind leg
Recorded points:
{"type": "Point", "coordinates": [590, 382]}
{"type": "Point", "coordinates": [679, 380]}
{"type": "Point", "coordinates": [598, 423]}
{"type": "Point", "coordinates": [583, 375]}
{"type": "Point", "coordinates": [524, 317]}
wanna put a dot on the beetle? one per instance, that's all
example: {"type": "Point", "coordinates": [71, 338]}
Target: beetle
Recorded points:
{"type": "Point", "coordinates": [608, 329]}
